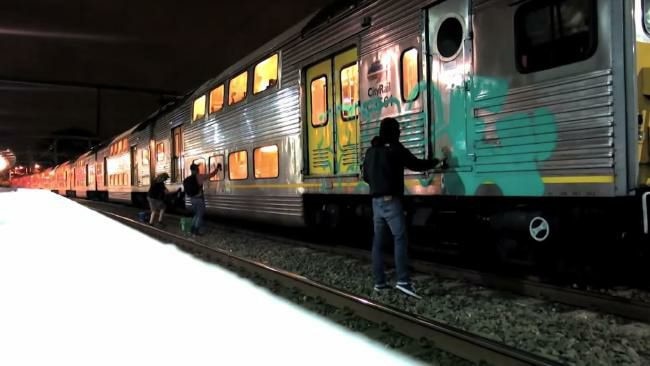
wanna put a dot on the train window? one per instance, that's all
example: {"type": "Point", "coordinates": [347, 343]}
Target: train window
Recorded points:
{"type": "Point", "coordinates": [549, 34]}
{"type": "Point", "coordinates": [145, 157]}
{"type": "Point", "coordinates": [266, 74]}
{"type": "Point", "coordinates": [91, 174]}
{"type": "Point", "coordinates": [160, 151]}
{"type": "Point", "coordinates": [238, 88]}
{"type": "Point", "coordinates": [646, 15]}
{"type": "Point", "coordinates": [410, 75]}
{"type": "Point", "coordinates": [349, 92]}
{"type": "Point", "coordinates": [213, 162]}
{"type": "Point", "coordinates": [201, 164]}
{"type": "Point", "coordinates": [216, 99]}
{"type": "Point", "coordinates": [265, 162]}
{"type": "Point", "coordinates": [199, 109]}
{"type": "Point", "coordinates": [319, 101]}
{"type": "Point", "coordinates": [238, 165]}
{"type": "Point", "coordinates": [450, 37]}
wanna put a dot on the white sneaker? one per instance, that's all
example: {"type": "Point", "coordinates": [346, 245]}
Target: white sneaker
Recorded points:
{"type": "Point", "coordinates": [408, 289]}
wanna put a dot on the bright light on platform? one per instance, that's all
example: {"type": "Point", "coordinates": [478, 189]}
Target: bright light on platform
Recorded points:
{"type": "Point", "coordinates": [86, 290]}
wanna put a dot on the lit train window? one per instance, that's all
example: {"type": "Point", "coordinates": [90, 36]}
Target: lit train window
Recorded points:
{"type": "Point", "coordinates": [213, 162]}
{"type": "Point", "coordinates": [265, 162]}
{"type": "Point", "coordinates": [160, 151]}
{"type": "Point", "coordinates": [349, 92]}
{"type": "Point", "coordinates": [216, 99]}
{"type": "Point", "coordinates": [145, 157]}
{"type": "Point", "coordinates": [238, 165]}
{"type": "Point", "coordinates": [238, 88]}
{"type": "Point", "coordinates": [552, 34]}
{"type": "Point", "coordinates": [91, 174]}
{"type": "Point", "coordinates": [201, 164]}
{"type": "Point", "coordinates": [266, 74]}
{"type": "Point", "coordinates": [199, 109]}
{"type": "Point", "coordinates": [410, 78]}
{"type": "Point", "coordinates": [319, 101]}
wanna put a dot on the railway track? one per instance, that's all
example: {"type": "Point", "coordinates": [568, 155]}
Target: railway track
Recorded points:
{"type": "Point", "coordinates": [468, 346]}
{"type": "Point", "coordinates": [614, 305]}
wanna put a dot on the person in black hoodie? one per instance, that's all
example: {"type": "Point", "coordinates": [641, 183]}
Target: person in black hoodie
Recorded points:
{"type": "Point", "coordinates": [383, 170]}
{"type": "Point", "coordinates": [156, 198]}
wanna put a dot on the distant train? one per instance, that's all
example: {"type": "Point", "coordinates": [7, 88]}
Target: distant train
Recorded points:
{"type": "Point", "coordinates": [543, 106]}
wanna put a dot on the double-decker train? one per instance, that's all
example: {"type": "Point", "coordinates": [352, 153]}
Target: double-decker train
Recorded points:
{"type": "Point", "coordinates": [541, 105]}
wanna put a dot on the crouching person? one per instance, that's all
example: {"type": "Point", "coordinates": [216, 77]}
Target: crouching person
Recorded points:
{"type": "Point", "coordinates": [156, 198]}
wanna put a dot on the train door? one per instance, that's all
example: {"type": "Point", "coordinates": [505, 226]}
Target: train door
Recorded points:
{"type": "Point", "coordinates": [106, 181]}
{"type": "Point", "coordinates": [152, 159]}
{"type": "Point", "coordinates": [332, 115]}
{"type": "Point", "coordinates": [320, 130]}
{"type": "Point", "coordinates": [451, 69]}
{"type": "Point", "coordinates": [177, 152]}
{"type": "Point", "coordinates": [134, 166]}
{"type": "Point", "coordinates": [346, 89]}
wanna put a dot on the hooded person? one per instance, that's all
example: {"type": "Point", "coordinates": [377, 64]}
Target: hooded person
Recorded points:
{"type": "Point", "coordinates": [193, 186]}
{"type": "Point", "coordinates": [383, 170]}
{"type": "Point", "coordinates": [156, 198]}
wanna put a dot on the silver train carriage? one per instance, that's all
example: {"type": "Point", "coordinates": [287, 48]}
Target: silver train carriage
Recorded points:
{"type": "Point", "coordinates": [541, 107]}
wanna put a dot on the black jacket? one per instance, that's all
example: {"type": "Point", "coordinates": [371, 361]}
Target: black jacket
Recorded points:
{"type": "Point", "coordinates": [157, 191]}
{"type": "Point", "coordinates": [383, 167]}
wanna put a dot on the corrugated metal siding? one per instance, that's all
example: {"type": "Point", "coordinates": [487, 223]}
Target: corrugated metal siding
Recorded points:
{"type": "Point", "coordinates": [119, 196]}
{"type": "Point", "coordinates": [288, 209]}
{"type": "Point", "coordinates": [270, 117]}
{"type": "Point", "coordinates": [392, 22]}
{"type": "Point", "coordinates": [582, 111]}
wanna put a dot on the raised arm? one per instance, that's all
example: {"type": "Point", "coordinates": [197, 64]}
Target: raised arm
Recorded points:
{"type": "Point", "coordinates": [413, 163]}
{"type": "Point", "coordinates": [215, 172]}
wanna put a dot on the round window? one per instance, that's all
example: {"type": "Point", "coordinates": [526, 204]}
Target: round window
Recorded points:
{"type": "Point", "coordinates": [450, 37]}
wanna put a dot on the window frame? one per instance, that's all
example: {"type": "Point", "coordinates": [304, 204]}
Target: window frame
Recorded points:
{"type": "Point", "coordinates": [205, 112]}
{"type": "Point", "coordinates": [644, 9]}
{"type": "Point", "coordinates": [254, 160]}
{"type": "Point", "coordinates": [311, 105]}
{"type": "Point", "coordinates": [145, 160]}
{"type": "Point", "coordinates": [347, 66]}
{"type": "Point", "coordinates": [230, 165]}
{"type": "Point", "coordinates": [277, 80]}
{"type": "Point", "coordinates": [245, 98]}
{"type": "Point", "coordinates": [158, 159]}
{"type": "Point", "coordinates": [223, 104]}
{"type": "Point", "coordinates": [204, 164]}
{"type": "Point", "coordinates": [401, 74]}
{"type": "Point", "coordinates": [519, 25]}
{"type": "Point", "coordinates": [221, 176]}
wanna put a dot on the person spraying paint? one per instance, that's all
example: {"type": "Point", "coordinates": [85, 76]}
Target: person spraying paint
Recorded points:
{"type": "Point", "coordinates": [383, 170]}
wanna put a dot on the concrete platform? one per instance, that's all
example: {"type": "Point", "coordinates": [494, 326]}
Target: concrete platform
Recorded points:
{"type": "Point", "coordinates": [77, 288]}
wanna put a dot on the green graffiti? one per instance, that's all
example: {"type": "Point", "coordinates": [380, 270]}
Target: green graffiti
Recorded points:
{"type": "Point", "coordinates": [509, 158]}
{"type": "Point", "coordinates": [507, 152]}
{"type": "Point", "coordinates": [502, 152]}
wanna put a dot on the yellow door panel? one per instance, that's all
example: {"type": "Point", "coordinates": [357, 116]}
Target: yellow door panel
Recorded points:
{"type": "Point", "coordinates": [347, 112]}
{"type": "Point", "coordinates": [320, 127]}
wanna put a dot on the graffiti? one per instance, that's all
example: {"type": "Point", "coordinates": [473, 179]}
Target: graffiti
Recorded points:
{"type": "Point", "coordinates": [488, 148]}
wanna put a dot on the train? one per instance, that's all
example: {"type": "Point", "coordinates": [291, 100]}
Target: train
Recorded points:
{"type": "Point", "coordinates": [540, 105]}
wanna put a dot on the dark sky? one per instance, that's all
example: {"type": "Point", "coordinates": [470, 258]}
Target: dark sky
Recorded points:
{"type": "Point", "coordinates": [164, 46]}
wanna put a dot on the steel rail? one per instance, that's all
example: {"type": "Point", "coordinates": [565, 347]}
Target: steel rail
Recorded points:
{"type": "Point", "coordinates": [614, 305]}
